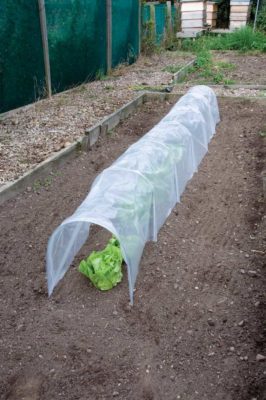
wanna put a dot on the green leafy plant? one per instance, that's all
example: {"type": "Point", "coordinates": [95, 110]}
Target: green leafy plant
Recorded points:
{"type": "Point", "coordinates": [104, 268]}
{"type": "Point", "coordinates": [261, 21]}
{"type": "Point", "coordinates": [205, 69]}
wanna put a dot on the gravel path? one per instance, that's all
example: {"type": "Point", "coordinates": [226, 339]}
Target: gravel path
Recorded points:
{"type": "Point", "coordinates": [32, 134]}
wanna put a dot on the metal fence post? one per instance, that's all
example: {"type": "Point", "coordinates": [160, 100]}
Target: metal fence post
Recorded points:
{"type": "Point", "coordinates": [256, 15]}
{"type": "Point", "coordinates": [109, 35]}
{"type": "Point", "coordinates": [45, 46]}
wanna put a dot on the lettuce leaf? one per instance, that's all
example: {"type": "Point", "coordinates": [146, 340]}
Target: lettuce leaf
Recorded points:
{"type": "Point", "coordinates": [104, 268]}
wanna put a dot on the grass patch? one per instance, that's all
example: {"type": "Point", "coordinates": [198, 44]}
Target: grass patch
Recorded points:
{"type": "Point", "coordinates": [205, 70]}
{"type": "Point", "coordinates": [225, 65]}
{"type": "Point", "coordinates": [242, 40]}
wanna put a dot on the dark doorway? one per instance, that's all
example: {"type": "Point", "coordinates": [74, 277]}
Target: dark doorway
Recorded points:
{"type": "Point", "coordinates": [223, 14]}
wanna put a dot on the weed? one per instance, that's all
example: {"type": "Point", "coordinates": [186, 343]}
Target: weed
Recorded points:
{"type": "Point", "coordinates": [109, 87]}
{"type": "Point", "coordinates": [172, 68]}
{"type": "Point", "coordinates": [262, 133]}
{"type": "Point", "coordinates": [100, 75]}
{"type": "Point", "coordinates": [48, 181]}
{"type": "Point", "coordinates": [78, 146]}
{"type": "Point", "coordinates": [110, 132]}
{"type": "Point", "coordinates": [226, 65]}
{"type": "Point", "coordinates": [205, 69]}
{"type": "Point", "coordinates": [37, 185]}
{"type": "Point", "coordinates": [261, 21]}
{"type": "Point", "coordinates": [149, 45]}
{"type": "Point", "coordinates": [45, 183]}
{"type": "Point", "coordinates": [242, 40]}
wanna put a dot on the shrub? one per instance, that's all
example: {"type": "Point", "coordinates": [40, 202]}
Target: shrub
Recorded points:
{"type": "Point", "coordinates": [261, 21]}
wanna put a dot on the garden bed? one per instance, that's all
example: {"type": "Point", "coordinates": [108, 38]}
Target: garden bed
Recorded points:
{"type": "Point", "coordinates": [197, 323]}
{"type": "Point", "coordinates": [33, 134]}
{"type": "Point", "coordinates": [230, 67]}
{"type": "Point", "coordinates": [248, 68]}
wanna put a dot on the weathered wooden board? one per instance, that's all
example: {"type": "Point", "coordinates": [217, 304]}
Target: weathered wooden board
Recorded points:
{"type": "Point", "coordinates": [197, 23]}
{"type": "Point", "coordinates": [193, 6]}
{"type": "Point", "coordinates": [238, 17]}
{"type": "Point", "coordinates": [237, 24]}
{"type": "Point", "coordinates": [193, 15]}
{"type": "Point", "coordinates": [239, 3]}
{"type": "Point", "coordinates": [233, 15]}
{"type": "Point", "coordinates": [212, 7]}
{"type": "Point", "coordinates": [211, 15]}
{"type": "Point", "coordinates": [239, 9]}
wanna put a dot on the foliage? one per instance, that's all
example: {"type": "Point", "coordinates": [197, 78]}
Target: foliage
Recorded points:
{"type": "Point", "coordinates": [149, 45]}
{"type": "Point", "coordinates": [103, 268]}
{"type": "Point", "coordinates": [206, 70]}
{"type": "Point", "coordinates": [242, 40]}
{"type": "Point", "coordinates": [261, 21]}
{"type": "Point", "coordinates": [172, 68]}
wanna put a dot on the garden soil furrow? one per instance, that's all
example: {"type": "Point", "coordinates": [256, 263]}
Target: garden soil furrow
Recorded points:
{"type": "Point", "coordinates": [197, 324]}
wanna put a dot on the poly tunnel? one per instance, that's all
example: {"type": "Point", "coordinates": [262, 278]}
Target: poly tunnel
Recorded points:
{"type": "Point", "coordinates": [134, 196]}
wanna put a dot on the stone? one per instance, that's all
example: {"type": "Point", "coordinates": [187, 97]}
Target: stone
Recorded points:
{"type": "Point", "coordinates": [253, 274]}
{"type": "Point", "coordinates": [260, 357]}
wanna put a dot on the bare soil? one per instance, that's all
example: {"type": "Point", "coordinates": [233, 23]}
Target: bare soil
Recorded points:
{"type": "Point", "coordinates": [245, 69]}
{"type": "Point", "coordinates": [196, 327]}
{"type": "Point", "coordinates": [249, 68]}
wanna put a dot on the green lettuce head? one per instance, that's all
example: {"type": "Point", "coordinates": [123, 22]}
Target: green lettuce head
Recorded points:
{"type": "Point", "coordinates": [104, 268]}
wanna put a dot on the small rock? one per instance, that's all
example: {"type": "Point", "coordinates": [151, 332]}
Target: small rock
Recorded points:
{"type": "Point", "coordinates": [257, 304]}
{"type": "Point", "coordinates": [175, 286]}
{"type": "Point", "coordinates": [28, 189]}
{"type": "Point", "coordinates": [115, 393]}
{"type": "Point", "coordinates": [253, 274]}
{"type": "Point", "coordinates": [232, 348]}
{"type": "Point", "coordinates": [19, 327]}
{"type": "Point", "coordinates": [211, 322]}
{"type": "Point", "coordinates": [241, 323]}
{"type": "Point", "coordinates": [242, 271]}
{"type": "Point", "coordinates": [115, 312]}
{"type": "Point", "coordinates": [260, 357]}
